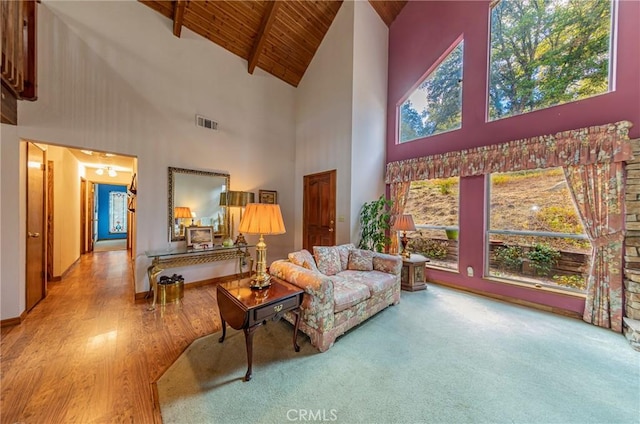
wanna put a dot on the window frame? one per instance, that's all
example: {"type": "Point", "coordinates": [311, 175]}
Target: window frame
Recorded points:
{"type": "Point", "coordinates": [486, 271]}
{"type": "Point", "coordinates": [612, 65]}
{"type": "Point", "coordinates": [421, 80]}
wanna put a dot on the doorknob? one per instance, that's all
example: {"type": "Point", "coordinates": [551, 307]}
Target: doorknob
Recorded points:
{"type": "Point", "coordinates": [331, 226]}
{"type": "Point", "coordinates": [33, 235]}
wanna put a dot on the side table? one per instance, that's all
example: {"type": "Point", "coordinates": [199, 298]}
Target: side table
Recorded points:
{"type": "Point", "coordinates": [412, 275]}
{"type": "Point", "coordinates": [245, 308]}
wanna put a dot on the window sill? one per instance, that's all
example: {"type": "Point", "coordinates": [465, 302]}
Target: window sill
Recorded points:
{"type": "Point", "coordinates": [536, 287]}
{"type": "Point", "coordinates": [441, 268]}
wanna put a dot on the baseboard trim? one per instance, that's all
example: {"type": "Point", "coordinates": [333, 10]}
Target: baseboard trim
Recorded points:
{"type": "Point", "coordinates": [508, 299]}
{"type": "Point", "coordinates": [11, 322]}
{"type": "Point", "coordinates": [141, 296]}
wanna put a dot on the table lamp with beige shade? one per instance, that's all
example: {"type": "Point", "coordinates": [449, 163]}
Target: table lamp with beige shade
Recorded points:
{"type": "Point", "coordinates": [180, 213]}
{"type": "Point", "coordinates": [262, 219]}
{"type": "Point", "coordinates": [404, 223]}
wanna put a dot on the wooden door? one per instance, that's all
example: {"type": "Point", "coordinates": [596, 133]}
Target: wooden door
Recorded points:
{"type": "Point", "coordinates": [50, 201]}
{"type": "Point", "coordinates": [92, 214]}
{"type": "Point", "coordinates": [36, 241]}
{"type": "Point", "coordinates": [83, 216]}
{"type": "Point", "coordinates": [319, 210]}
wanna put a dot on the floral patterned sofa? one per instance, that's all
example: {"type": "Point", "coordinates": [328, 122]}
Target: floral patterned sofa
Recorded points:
{"type": "Point", "coordinates": [343, 287]}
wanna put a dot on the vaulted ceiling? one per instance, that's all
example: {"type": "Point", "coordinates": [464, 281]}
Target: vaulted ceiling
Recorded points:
{"type": "Point", "coordinates": [280, 37]}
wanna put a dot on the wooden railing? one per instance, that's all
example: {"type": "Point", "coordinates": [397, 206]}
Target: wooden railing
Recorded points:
{"type": "Point", "coordinates": [18, 63]}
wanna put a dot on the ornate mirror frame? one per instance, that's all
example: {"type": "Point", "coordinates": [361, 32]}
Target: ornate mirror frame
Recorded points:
{"type": "Point", "coordinates": [197, 192]}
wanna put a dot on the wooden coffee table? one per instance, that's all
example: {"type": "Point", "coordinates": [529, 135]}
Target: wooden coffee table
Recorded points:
{"type": "Point", "coordinates": [245, 308]}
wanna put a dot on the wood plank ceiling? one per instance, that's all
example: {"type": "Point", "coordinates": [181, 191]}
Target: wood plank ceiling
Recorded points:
{"type": "Point", "coordinates": [280, 37]}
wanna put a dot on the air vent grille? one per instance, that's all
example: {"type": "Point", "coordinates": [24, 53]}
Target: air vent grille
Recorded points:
{"type": "Point", "coordinates": [207, 123]}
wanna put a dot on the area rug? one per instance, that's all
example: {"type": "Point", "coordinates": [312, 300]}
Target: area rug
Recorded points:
{"type": "Point", "coordinates": [440, 356]}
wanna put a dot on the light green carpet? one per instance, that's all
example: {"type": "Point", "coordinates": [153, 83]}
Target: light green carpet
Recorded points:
{"type": "Point", "coordinates": [440, 356]}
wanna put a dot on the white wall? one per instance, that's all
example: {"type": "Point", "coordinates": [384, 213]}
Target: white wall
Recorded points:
{"type": "Point", "coordinates": [112, 77]}
{"type": "Point", "coordinates": [370, 65]}
{"type": "Point", "coordinates": [341, 115]}
{"type": "Point", "coordinates": [13, 223]}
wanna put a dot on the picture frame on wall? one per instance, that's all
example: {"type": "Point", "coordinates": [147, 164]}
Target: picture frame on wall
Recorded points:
{"type": "Point", "coordinates": [199, 237]}
{"type": "Point", "coordinates": [268, 196]}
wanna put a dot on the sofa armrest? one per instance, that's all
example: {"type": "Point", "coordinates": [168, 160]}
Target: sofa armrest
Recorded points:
{"type": "Point", "coordinates": [311, 282]}
{"type": "Point", "coordinates": [391, 264]}
{"type": "Point", "coordinates": [318, 302]}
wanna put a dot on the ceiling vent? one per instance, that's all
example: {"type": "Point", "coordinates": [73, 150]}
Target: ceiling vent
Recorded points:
{"type": "Point", "coordinates": [203, 122]}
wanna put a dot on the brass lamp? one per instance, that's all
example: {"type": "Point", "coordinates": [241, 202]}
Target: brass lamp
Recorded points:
{"type": "Point", "coordinates": [404, 223]}
{"type": "Point", "coordinates": [181, 212]}
{"type": "Point", "coordinates": [237, 199]}
{"type": "Point", "coordinates": [262, 219]}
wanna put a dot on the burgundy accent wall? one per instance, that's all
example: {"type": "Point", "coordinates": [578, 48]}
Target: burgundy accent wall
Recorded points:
{"type": "Point", "coordinates": [418, 36]}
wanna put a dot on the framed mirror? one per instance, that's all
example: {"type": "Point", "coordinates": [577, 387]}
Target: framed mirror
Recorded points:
{"type": "Point", "coordinates": [194, 200]}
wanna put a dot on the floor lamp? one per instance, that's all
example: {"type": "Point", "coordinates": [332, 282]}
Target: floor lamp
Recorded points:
{"type": "Point", "coordinates": [237, 199]}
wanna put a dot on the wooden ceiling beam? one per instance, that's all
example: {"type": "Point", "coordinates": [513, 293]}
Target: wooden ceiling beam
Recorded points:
{"type": "Point", "coordinates": [265, 26]}
{"type": "Point", "coordinates": [178, 16]}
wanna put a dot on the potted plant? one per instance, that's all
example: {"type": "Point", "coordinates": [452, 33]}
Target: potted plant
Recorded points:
{"type": "Point", "coordinates": [374, 224]}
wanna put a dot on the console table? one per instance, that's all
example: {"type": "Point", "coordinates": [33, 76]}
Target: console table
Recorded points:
{"type": "Point", "coordinates": [179, 257]}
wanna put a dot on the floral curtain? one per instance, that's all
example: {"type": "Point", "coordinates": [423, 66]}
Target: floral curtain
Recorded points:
{"type": "Point", "coordinates": [592, 160]}
{"type": "Point", "coordinates": [399, 194]}
{"type": "Point", "coordinates": [598, 191]}
{"type": "Point", "coordinates": [604, 143]}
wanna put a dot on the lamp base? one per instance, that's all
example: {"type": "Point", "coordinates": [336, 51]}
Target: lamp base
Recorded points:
{"type": "Point", "coordinates": [259, 282]}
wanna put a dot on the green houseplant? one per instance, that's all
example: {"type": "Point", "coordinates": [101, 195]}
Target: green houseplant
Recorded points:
{"type": "Point", "coordinates": [374, 224]}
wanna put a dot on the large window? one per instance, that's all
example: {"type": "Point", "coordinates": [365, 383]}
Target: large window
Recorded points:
{"type": "Point", "coordinates": [547, 52]}
{"type": "Point", "coordinates": [436, 105]}
{"type": "Point", "coordinates": [434, 207]}
{"type": "Point", "coordinates": [535, 235]}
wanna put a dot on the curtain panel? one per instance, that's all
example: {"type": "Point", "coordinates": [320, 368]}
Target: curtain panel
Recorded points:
{"type": "Point", "coordinates": [599, 144]}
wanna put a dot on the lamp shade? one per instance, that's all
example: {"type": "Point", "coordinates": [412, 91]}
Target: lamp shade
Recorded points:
{"type": "Point", "coordinates": [236, 198]}
{"type": "Point", "coordinates": [181, 212]}
{"type": "Point", "coordinates": [262, 218]}
{"type": "Point", "coordinates": [404, 223]}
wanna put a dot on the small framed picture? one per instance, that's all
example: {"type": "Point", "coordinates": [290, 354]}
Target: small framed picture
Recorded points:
{"type": "Point", "coordinates": [199, 237]}
{"type": "Point", "coordinates": [268, 196]}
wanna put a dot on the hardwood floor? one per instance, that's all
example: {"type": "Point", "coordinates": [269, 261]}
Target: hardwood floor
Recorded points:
{"type": "Point", "coordinates": [88, 354]}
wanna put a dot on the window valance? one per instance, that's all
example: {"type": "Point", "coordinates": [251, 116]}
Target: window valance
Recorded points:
{"type": "Point", "coordinates": [603, 143]}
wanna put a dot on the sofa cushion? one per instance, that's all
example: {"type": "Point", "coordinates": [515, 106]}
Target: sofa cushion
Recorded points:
{"type": "Point", "coordinates": [377, 281]}
{"type": "Point", "coordinates": [327, 259]}
{"type": "Point", "coordinates": [347, 293]}
{"type": "Point", "coordinates": [360, 260]}
{"type": "Point", "coordinates": [344, 250]}
{"type": "Point", "coordinates": [303, 258]}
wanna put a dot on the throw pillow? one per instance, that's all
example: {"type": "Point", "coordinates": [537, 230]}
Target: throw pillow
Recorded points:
{"type": "Point", "coordinates": [303, 258]}
{"type": "Point", "coordinates": [360, 260]}
{"type": "Point", "coordinates": [344, 250]}
{"type": "Point", "coordinates": [327, 259]}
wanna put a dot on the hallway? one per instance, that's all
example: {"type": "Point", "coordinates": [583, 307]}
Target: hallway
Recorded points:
{"type": "Point", "coordinates": [89, 353]}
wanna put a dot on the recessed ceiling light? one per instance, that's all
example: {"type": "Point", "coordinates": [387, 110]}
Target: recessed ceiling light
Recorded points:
{"type": "Point", "coordinates": [87, 152]}
{"type": "Point", "coordinates": [109, 155]}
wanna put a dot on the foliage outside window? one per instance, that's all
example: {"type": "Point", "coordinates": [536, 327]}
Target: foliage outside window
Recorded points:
{"type": "Point", "coordinates": [436, 105]}
{"type": "Point", "coordinates": [547, 52]}
{"type": "Point", "coordinates": [535, 234]}
{"type": "Point", "coordinates": [434, 207]}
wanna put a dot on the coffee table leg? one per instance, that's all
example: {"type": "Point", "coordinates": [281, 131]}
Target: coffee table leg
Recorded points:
{"type": "Point", "coordinates": [248, 336]}
{"type": "Point", "coordinates": [295, 330]}
{"type": "Point", "coordinates": [224, 330]}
